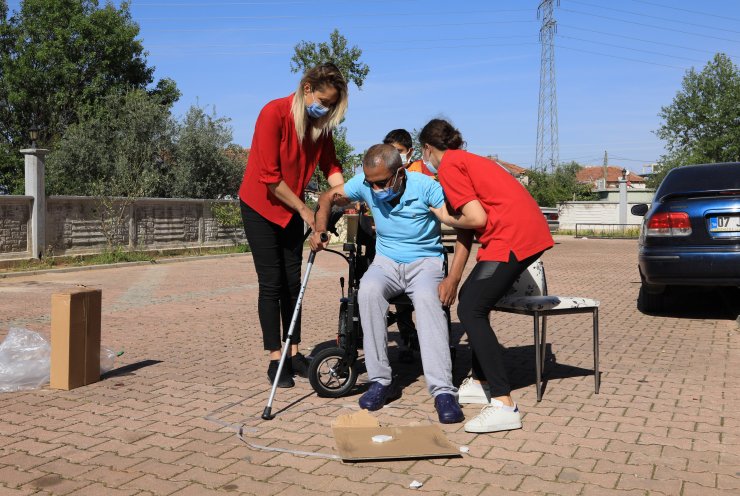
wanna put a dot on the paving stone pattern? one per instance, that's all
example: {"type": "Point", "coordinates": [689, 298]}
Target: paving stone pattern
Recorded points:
{"type": "Point", "coordinates": [181, 413]}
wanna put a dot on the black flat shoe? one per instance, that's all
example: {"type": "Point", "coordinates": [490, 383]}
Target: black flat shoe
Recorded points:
{"type": "Point", "coordinates": [285, 380]}
{"type": "Point", "coordinates": [300, 365]}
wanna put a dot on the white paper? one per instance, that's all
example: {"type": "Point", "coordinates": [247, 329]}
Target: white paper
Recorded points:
{"type": "Point", "coordinates": [382, 438]}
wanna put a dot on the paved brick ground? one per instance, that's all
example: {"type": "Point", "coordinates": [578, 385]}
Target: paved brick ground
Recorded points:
{"type": "Point", "coordinates": [666, 422]}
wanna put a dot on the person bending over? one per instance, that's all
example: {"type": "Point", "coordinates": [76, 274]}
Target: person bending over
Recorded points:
{"type": "Point", "coordinates": [409, 258]}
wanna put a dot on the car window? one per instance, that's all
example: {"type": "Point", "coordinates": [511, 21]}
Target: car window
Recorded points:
{"type": "Point", "coordinates": [713, 177]}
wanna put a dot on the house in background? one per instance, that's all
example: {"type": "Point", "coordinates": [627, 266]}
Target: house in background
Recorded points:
{"type": "Point", "coordinates": [595, 176]}
{"type": "Point", "coordinates": [518, 172]}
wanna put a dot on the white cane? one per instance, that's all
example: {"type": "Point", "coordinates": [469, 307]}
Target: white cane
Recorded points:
{"type": "Point", "coordinates": [267, 413]}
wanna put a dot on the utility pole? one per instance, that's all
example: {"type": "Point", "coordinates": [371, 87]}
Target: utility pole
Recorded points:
{"type": "Point", "coordinates": [606, 167]}
{"type": "Point", "coordinates": [548, 153]}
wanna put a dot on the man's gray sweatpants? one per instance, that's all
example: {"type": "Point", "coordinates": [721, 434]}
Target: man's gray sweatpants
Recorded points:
{"type": "Point", "coordinates": [420, 279]}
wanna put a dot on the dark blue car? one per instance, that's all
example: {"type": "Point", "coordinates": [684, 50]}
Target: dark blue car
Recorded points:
{"type": "Point", "coordinates": [691, 233]}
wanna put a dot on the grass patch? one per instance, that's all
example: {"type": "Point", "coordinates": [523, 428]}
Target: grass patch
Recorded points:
{"type": "Point", "coordinates": [629, 233]}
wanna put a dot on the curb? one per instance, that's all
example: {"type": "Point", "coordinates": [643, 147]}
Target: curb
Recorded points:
{"type": "Point", "coordinates": [119, 265]}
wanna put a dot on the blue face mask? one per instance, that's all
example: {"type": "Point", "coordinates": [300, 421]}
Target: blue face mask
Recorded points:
{"type": "Point", "coordinates": [316, 110]}
{"type": "Point", "coordinates": [385, 195]}
{"type": "Point", "coordinates": [428, 164]}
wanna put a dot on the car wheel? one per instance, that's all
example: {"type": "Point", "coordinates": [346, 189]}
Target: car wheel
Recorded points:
{"type": "Point", "coordinates": [651, 298]}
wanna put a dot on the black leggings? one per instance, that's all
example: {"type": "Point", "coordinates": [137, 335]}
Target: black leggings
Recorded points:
{"type": "Point", "coordinates": [278, 254]}
{"type": "Point", "coordinates": [485, 285]}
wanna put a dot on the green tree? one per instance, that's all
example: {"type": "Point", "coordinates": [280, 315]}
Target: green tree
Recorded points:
{"type": "Point", "coordinates": [116, 153]}
{"type": "Point", "coordinates": [549, 188]}
{"type": "Point", "coordinates": [702, 124]}
{"type": "Point", "coordinates": [309, 54]}
{"type": "Point", "coordinates": [205, 166]}
{"type": "Point", "coordinates": [336, 51]}
{"type": "Point", "coordinates": [123, 148]}
{"type": "Point", "coordinates": [58, 59]}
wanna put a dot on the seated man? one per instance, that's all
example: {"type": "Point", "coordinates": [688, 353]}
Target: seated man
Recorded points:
{"type": "Point", "coordinates": [409, 258]}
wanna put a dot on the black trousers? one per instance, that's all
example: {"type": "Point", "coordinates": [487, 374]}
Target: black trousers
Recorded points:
{"type": "Point", "coordinates": [278, 254]}
{"type": "Point", "coordinates": [486, 284]}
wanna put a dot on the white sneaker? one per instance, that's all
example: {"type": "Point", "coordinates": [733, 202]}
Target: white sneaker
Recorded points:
{"type": "Point", "coordinates": [494, 418]}
{"type": "Point", "coordinates": [471, 391]}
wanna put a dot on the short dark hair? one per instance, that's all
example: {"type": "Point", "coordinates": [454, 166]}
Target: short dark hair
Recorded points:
{"type": "Point", "coordinates": [441, 135]}
{"type": "Point", "coordinates": [400, 136]}
{"type": "Point", "coordinates": [382, 153]}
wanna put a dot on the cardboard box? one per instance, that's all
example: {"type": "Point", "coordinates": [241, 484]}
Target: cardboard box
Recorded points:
{"type": "Point", "coordinates": [354, 435]}
{"type": "Point", "coordinates": [75, 338]}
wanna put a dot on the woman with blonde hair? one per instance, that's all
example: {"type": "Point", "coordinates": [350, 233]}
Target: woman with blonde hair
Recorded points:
{"type": "Point", "coordinates": [292, 136]}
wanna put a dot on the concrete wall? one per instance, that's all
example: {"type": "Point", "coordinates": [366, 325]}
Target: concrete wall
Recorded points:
{"type": "Point", "coordinates": [593, 212]}
{"type": "Point", "coordinates": [73, 225]}
{"type": "Point", "coordinates": [633, 195]}
{"type": "Point", "coordinates": [15, 214]}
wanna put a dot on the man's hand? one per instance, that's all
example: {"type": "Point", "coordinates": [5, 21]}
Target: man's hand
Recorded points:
{"type": "Point", "coordinates": [308, 216]}
{"type": "Point", "coordinates": [448, 291]}
{"type": "Point", "coordinates": [316, 243]}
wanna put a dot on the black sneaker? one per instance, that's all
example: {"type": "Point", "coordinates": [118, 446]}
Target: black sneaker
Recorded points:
{"type": "Point", "coordinates": [300, 365]}
{"type": "Point", "coordinates": [285, 380]}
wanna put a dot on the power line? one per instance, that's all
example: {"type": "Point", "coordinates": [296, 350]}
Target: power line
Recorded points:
{"type": "Point", "coordinates": [403, 43]}
{"type": "Point", "coordinates": [618, 57]}
{"type": "Point", "coordinates": [633, 160]}
{"type": "Point", "coordinates": [375, 26]}
{"type": "Point", "coordinates": [436, 47]}
{"type": "Point", "coordinates": [687, 10]}
{"type": "Point", "coordinates": [649, 25]}
{"type": "Point", "coordinates": [324, 16]}
{"type": "Point", "coordinates": [138, 4]}
{"type": "Point", "coordinates": [631, 12]}
{"type": "Point", "coordinates": [619, 35]}
{"type": "Point", "coordinates": [271, 3]}
{"type": "Point", "coordinates": [629, 48]}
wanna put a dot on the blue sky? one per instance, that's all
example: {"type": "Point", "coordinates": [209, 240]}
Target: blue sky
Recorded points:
{"type": "Point", "coordinates": [476, 63]}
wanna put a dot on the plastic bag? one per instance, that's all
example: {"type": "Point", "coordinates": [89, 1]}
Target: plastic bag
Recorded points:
{"type": "Point", "coordinates": [107, 359]}
{"type": "Point", "coordinates": [24, 360]}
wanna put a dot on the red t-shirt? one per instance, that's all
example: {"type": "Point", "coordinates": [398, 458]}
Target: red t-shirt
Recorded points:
{"type": "Point", "coordinates": [277, 155]}
{"type": "Point", "coordinates": [515, 222]}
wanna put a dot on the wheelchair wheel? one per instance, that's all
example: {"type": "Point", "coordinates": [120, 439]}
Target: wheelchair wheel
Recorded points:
{"type": "Point", "coordinates": [329, 374]}
{"type": "Point", "coordinates": [342, 328]}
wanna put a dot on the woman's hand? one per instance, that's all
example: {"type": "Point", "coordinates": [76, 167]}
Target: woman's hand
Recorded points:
{"type": "Point", "coordinates": [471, 216]}
{"type": "Point", "coordinates": [316, 243]}
{"type": "Point", "coordinates": [440, 213]}
{"type": "Point", "coordinates": [308, 216]}
{"type": "Point", "coordinates": [448, 290]}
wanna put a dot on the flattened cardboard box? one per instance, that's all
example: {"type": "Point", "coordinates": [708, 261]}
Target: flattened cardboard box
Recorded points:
{"type": "Point", "coordinates": [75, 338]}
{"type": "Point", "coordinates": [354, 433]}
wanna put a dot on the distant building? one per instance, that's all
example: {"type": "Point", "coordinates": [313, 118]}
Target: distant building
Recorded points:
{"type": "Point", "coordinates": [518, 172]}
{"type": "Point", "coordinates": [595, 177]}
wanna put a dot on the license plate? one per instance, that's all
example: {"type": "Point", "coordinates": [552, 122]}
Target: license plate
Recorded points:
{"type": "Point", "coordinates": [724, 223]}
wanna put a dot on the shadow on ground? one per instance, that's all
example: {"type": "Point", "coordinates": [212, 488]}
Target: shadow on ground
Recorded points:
{"type": "Point", "coordinates": [520, 362]}
{"type": "Point", "coordinates": [128, 369]}
{"type": "Point", "coordinates": [700, 303]}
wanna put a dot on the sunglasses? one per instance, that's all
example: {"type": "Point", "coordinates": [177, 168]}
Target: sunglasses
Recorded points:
{"type": "Point", "coordinates": [383, 182]}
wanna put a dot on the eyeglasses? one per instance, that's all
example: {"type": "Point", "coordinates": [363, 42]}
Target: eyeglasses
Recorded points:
{"type": "Point", "coordinates": [383, 182]}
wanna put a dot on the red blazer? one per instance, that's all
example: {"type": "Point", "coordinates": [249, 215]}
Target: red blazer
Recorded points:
{"type": "Point", "coordinates": [515, 221]}
{"type": "Point", "coordinates": [277, 155]}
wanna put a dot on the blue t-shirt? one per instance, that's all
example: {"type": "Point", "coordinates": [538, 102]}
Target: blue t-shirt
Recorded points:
{"type": "Point", "coordinates": [409, 231]}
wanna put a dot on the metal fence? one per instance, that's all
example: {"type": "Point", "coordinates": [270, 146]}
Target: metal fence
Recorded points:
{"type": "Point", "coordinates": [611, 231]}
